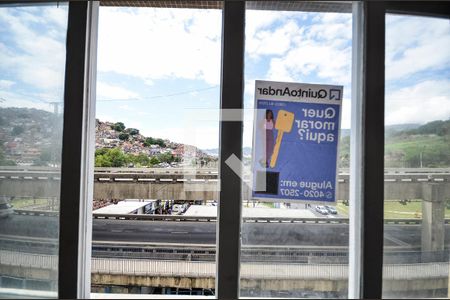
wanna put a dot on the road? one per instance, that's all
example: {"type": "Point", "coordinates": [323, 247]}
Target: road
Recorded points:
{"type": "Point", "coordinates": [283, 234]}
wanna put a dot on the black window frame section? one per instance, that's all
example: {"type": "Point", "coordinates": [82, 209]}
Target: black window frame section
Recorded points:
{"type": "Point", "coordinates": [231, 130]}
{"type": "Point", "coordinates": [77, 167]}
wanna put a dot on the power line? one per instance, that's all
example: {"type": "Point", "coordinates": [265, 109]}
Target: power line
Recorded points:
{"type": "Point", "coordinates": [159, 96]}
{"type": "Point", "coordinates": [32, 97]}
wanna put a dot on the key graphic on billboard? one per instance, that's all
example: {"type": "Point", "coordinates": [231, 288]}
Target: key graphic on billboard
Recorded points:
{"type": "Point", "coordinates": [283, 123]}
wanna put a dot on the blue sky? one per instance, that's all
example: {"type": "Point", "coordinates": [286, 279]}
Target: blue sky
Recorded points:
{"type": "Point", "coordinates": [159, 69]}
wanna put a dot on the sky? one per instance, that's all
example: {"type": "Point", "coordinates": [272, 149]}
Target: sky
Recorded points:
{"type": "Point", "coordinates": [159, 69]}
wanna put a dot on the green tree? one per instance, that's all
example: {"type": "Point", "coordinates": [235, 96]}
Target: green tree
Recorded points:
{"type": "Point", "coordinates": [102, 161]}
{"type": "Point", "coordinates": [133, 131]}
{"type": "Point", "coordinates": [46, 155]}
{"type": "Point", "coordinates": [17, 130]}
{"type": "Point", "coordinates": [141, 159]}
{"type": "Point", "coordinates": [160, 142]}
{"type": "Point", "coordinates": [154, 160]}
{"type": "Point", "coordinates": [149, 141]}
{"type": "Point", "coordinates": [110, 158]}
{"type": "Point", "coordinates": [119, 126]}
{"type": "Point", "coordinates": [5, 162]}
{"type": "Point", "coordinates": [101, 151]}
{"type": "Point", "coordinates": [124, 136]}
{"type": "Point", "coordinates": [166, 157]}
{"type": "Point", "coordinates": [116, 157]}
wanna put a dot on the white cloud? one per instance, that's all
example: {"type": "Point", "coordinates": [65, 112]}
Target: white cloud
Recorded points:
{"type": "Point", "coordinates": [424, 102]}
{"type": "Point", "coordinates": [126, 107]}
{"type": "Point", "coordinates": [5, 84]}
{"type": "Point", "coordinates": [107, 91]}
{"type": "Point", "coordinates": [271, 42]}
{"type": "Point", "coordinates": [298, 48]}
{"type": "Point", "coordinates": [323, 60]}
{"type": "Point", "coordinates": [415, 44]}
{"type": "Point", "coordinates": [31, 54]}
{"type": "Point", "coordinates": [106, 118]}
{"type": "Point", "coordinates": [152, 44]}
{"type": "Point", "coordinates": [11, 99]}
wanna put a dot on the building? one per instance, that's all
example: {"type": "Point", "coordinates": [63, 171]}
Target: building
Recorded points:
{"type": "Point", "coordinates": [129, 206]}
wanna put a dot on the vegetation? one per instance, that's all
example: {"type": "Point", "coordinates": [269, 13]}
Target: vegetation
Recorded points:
{"type": "Point", "coordinates": [396, 209]}
{"type": "Point", "coordinates": [425, 146]}
{"type": "Point", "coordinates": [17, 130]}
{"type": "Point", "coordinates": [440, 128]}
{"type": "Point", "coordinates": [48, 156]}
{"type": "Point", "coordinates": [117, 158]}
{"type": "Point", "coordinates": [5, 162]}
{"type": "Point", "coordinates": [132, 131]}
{"type": "Point", "coordinates": [124, 136]}
{"type": "Point", "coordinates": [110, 158]}
{"type": "Point", "coordinates": [152, 141]}
{"type": "Point", "coordinates": [119, 126]}
{"type": "Point", "coordinates": [23, 203]}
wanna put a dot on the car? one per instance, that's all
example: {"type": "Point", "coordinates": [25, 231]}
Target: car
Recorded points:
{"type": "Point", "coordinates": [321, 209]}
{"type": "Point", "coordinates": [6, 209]}
{"type": "Point", "coordinates": [332, 210]}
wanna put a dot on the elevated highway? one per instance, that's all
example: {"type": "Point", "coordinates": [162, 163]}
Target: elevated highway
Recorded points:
{"type": "Point", "coordinates": [202, 230]}
{"type": "Point", "coordinates": [266, 275]}
{"type": "Point", "coordinates": [126, 246]}
{"type": "Point", "coordinates": [173, 251]}
{"type": "Point", "coordinates": [191, 184]}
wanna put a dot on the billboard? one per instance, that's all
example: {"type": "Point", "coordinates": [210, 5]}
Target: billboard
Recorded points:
{"type": "Point", "coordinates": [295, 141]}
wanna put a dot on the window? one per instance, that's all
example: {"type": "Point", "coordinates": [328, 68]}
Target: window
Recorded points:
{"type": "Point", "coordinates": [283, 41]}
{"type": "Point", "coordinates": [417, 121]}
{"type": "Point", "coordinates": [157, 139]}
{"type": "Point", "coordinates": [305, 43]}
{"type": "Point", "coordinates": [32, 60]}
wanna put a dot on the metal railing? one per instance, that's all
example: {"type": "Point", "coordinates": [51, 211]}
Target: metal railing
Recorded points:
{"type": "Point", "coordinates": [182, 218]}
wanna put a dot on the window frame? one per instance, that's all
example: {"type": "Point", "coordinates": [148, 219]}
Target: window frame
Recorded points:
{"type": "Point", "coordinates": [367, 146]}
{"type": "Point", "coordinates": [77, 167]}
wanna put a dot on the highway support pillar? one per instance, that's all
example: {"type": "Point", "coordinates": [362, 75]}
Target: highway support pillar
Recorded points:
{"type": "Point", "coordinates": [433, 211]}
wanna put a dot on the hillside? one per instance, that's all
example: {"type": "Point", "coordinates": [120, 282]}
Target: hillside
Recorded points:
{"type": "Point", "coordinates": [425, 146]}
{"type": "Point", "coordinates": [118, 146]}
{"type": "Point", "coordinates": [33, 137]}
{"type": "Point", "coordinates": [411, 146]}
{"type": "Point", "coordinates": [29, 136]}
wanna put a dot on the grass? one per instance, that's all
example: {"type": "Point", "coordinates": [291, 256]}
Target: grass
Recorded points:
{"type": "Point", "coordinates": [28, 202]}
{"type": "Point", "coordinates": [396, 210]}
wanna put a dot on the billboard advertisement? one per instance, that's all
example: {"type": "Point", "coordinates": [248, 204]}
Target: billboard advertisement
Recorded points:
{"type": "Point", "coordinates": [295, 141]}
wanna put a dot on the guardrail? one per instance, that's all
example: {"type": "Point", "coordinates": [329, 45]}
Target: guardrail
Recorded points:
{"type": "Point", "coordinates": [202, 170]}
{"type": "Point", "coordinates": [42, 213]}
{"type": "Point", "coordinates": [182, 218]}
{"type": "Point", "coordinates": [43, 173]}
{"type": "Point", "coordinates": [268, 270]}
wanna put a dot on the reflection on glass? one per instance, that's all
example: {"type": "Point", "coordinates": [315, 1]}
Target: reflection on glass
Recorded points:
{"type": "Point", "coordinates": [308, 257]}
{"type": "Point", "coordinates": [32, 60]}
{"type": "Point", "coordinates": [417, 157]}
{"type": "Point", "coordinates": [157, 135]}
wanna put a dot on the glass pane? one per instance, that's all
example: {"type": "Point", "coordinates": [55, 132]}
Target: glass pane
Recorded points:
{"type": "Point", "coordinates": [32, 62]}
{"type": "Point", "coordinates": [157, 149]}
{"type": "Point", "coordinates": [292, 248]}
{"type": "Point", "coordinates": [417, 157]}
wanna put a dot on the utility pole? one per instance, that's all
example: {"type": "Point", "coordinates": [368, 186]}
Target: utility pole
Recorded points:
{"type": "Point", "coordinates": [421, 156]}
{"type": "Point", "coordinates": [55, 107]}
